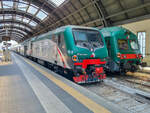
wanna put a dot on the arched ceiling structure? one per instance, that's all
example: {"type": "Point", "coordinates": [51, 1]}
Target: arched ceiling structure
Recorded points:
{"type": "Point", "coordinates": [34, 17]}
{"type": "Point", "coordinates": [22, 16]}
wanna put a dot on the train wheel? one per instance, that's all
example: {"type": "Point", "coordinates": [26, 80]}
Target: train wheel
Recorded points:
{"type": "Point", "coordinates": [133, 68]}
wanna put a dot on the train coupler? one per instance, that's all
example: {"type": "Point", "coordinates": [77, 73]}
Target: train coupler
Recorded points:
{"type": "Point", "coordinates": [89, 79]}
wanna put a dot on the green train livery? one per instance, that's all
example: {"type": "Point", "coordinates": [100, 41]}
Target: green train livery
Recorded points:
{"type": "Point", "coordinates": [123, 50]}
{"type": "Point", "coordinates": [79, 51]}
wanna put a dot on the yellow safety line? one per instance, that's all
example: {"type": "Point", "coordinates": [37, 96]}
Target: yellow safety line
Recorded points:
{"type": "Point", "coordinates": [96, 108]}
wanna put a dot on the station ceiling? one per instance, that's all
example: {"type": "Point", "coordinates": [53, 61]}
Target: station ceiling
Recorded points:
{"type": "Point", "coordinates": [23, 19]}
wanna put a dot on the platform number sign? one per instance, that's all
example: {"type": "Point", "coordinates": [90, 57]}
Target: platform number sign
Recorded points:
{"type": "Point", "coordinates": [141, 39]}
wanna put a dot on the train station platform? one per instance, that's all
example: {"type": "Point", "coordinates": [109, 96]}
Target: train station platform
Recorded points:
{"type": "Point", "coordinates": [27, 87]}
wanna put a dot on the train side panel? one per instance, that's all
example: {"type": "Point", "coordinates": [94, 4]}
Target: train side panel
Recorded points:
{"type": "Point", "coordinates": [48, 50]}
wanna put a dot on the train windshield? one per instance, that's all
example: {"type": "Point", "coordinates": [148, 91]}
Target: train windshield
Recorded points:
{"type": "Point", "coordinates": [134, 44]}
{"type": "Point", "coordinates": [123, 44]}
{"type": "Point", "coordinates": [88, 38]}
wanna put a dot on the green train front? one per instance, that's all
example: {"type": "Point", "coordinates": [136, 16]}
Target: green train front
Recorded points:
{"type": "Point", "coordinates": [87, 51]}
{"type": "Point", "coordinates": [123, 49]}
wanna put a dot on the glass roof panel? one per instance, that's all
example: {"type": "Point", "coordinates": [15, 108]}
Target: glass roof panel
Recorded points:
{"type": "Point", "coordinates": [32, 10]}
{"type": "Point", "coordinates": [8, 17]}
{"type": "Point", "coordinates": [1, 17]}
{"type": "Point", "coordinates": [41, 15]}
{"type": "Point", "coordinates": [32, 23]}
{"type": "Point", "coordinates": [17, 33]}
{"type": "Point", "coordinates": [20, 31]}
{"type": "Point", "coordinates": [27, 28]}
{"type": "Point", "coordinates": [23, 1]}
{"type": "Point", "coordinates": [26, 20]}
{"type": "Point", "coordinates": [57, 2]}
{"type": "Point", "coordinates": [22, 6]}
{"type": "Point", "coordinates": [44, 12]}
{"type": "Point", "coordinates": [7, 4]}
{"type": "Point", "coordinates": [22, 26]}
{"type": "Point", "coordinates": [19, 18]}
{"type": "Point", "coordinates": [2, 24]}
{"type": "Point", "coordinates": [17, 25]}
{"type": "Point", "coordinates": [7, 24]}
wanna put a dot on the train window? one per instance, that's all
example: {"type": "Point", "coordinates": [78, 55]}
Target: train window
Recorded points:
{"type": "Point", "coordinates": [59, 39]}
{"type": "Point", "coordinates": [134, 44]}
{"type": "Point", "coordinates": [87, 38]}
{"type": "Point", "coordinates": [123, 44]}
{"type": "Point", "coordinates": [54, 39]}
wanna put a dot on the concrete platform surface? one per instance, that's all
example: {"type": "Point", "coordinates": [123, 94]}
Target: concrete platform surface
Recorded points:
{"type": "Point", "coordinates": [27, 87]}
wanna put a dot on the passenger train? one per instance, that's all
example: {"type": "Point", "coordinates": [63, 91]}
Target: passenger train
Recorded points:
{"type": "Point", "coordinates": [123, 50]}
{"type": "Point", "coordinates": [79, 51]}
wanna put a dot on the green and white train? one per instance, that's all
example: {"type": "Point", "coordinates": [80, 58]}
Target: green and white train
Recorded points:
{"type": "Point", "coordinates": [79, 51]}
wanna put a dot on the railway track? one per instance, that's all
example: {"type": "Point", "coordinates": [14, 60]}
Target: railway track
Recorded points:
{"type": "Point", "coordinates": [138, 80]}
{"type": "Point", "coordinates": [135, 101]}
{"type": "Point", "coordinates": [130, 92]}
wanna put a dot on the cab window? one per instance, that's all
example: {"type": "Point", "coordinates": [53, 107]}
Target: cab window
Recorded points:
{"type": "Point", "coordinates": [123, 44]}
{"type": "Point", "coordinates": [134, 44]}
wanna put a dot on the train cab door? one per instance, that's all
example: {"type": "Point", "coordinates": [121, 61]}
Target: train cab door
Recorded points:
{"type": "Point", "coordinates": [61, 49]}
{"type": "Point", "coordinates": [54, 46]}
{"type": "Point", "coordinates": [61, 43]}
{"type": "Point", "coordinates": [108, 44]}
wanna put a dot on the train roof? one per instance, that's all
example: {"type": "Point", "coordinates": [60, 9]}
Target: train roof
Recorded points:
{"type": "Point", "coordinates": [61, 29]}
{"type": "Point", "coordinates": [109, 31]}
{"type": "Point", "coordinates": [76, 26]}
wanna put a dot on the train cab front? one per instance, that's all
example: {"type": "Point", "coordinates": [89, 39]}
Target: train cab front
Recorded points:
{"type": "Point", "coordinates": [90, 70]}
{"type": "Point", "coordinates": [90, 57]}
{"type": "Point", "coordinates": [128, 55]}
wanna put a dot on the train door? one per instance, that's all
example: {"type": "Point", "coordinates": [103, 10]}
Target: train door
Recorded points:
{"type": "Point", "coordinates": [54, 46]}
{"type": "Point", "coordinates": [108, 44]}
{"type": "Point", "coordinates": [62, 49]}
{"type": "Point", "coordinates": [61, 43]}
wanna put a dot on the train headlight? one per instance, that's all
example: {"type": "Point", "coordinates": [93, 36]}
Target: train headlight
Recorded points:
{"type": "Point", "coordinates": [75, 58]}
{"type": "Point", "coordinates": [118, 55]}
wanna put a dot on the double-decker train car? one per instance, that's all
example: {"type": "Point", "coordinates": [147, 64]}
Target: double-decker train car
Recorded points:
{"type": "Point", "coordinates": [123, 50]}
{"type": "Point", "coordinates": [80, 51]}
